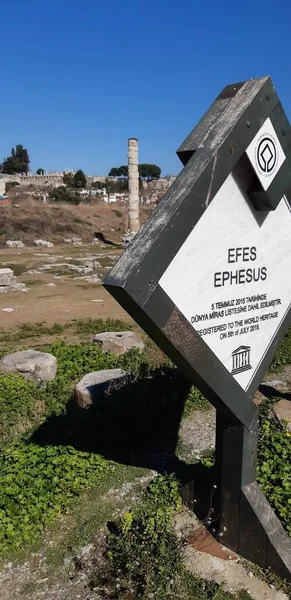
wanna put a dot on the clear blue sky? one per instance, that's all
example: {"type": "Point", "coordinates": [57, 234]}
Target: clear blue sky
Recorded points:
{"type": "Point", "coordinates": [79, 78]}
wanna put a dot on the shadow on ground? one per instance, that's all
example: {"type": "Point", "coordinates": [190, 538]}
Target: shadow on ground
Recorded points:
{"type": "Point", "coordinates": [100, 236]}
{"type": "Point", "coordinates": [270, 392]}
{"type": "Point", "coordinates": [134, 424]}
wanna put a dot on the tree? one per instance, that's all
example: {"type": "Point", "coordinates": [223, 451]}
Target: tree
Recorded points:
{"type": "Point", "coordinates": [149, 172]}
{"type": "Point", "coordinates": [63, 194]}
{"type": "Point", "coordinates": [80, 179]}
{"type": "Point", "coordinates": [114, 172]}
{"type": "Point", "coordinates": [97, 185]}
{"type": "Point", "coordinates": [18, 162]}
{"type": "Point", "coordinates": [40, 172]}
{"type": "Point", "coordinates": [146, 171]}
{"type": "Point", "coordinates": [118, 171]}
{"type": "Point", "coordinates": [123, 171]}
{"type": "Point", "coordinates": [68, 179]}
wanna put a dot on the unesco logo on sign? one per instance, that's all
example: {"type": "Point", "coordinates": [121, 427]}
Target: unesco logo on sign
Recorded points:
{"type": "Point", "coordinates": [241, 360]}
{"type": "Point", "coordinates": [267, 155]}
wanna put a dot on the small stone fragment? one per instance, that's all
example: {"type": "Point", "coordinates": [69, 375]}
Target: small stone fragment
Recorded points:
{"type": "Point", "coordinates": [92, 386]}
{"type": "Point", "coordinates": [282, 412]}
{"type": "Point", "coordinates": [118, 342]}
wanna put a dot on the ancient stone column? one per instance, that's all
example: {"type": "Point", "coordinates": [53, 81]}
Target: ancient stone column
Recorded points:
{"type": "Point", "coordinates": [133, 185]}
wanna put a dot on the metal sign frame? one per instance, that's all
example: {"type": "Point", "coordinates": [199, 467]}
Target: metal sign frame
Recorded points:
{"type": "Point", "coordinates": [209, 154]}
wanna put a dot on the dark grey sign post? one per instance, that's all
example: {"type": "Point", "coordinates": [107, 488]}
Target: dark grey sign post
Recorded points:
{"type": "Point", "coordinates": [208, 278]}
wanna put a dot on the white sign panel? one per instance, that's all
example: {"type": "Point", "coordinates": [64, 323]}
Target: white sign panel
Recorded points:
{"type": "Point", "coordinates": [232, 280]}
{"type": "Point", "coordinates": [266, 154]}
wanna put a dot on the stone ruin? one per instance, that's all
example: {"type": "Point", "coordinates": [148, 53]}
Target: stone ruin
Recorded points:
{"type": "Point", "coordinates": [8, 282]}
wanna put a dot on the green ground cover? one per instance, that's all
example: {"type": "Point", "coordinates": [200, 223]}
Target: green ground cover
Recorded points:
{"type": "Point", "coordinates": [51, 453]}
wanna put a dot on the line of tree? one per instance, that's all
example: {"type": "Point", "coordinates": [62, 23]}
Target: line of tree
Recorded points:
{"type": "Point", "coordinates": [17, 162]}
{"type": "Point", "coordinates": [146, 171]}
{"type": "Point", "coordinates": [76, 180]}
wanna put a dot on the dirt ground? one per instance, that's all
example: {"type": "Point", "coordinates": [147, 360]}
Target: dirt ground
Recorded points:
{"type": "Point", "coordinates": [71, 296]}
{"type": "Point", "coordinates": [28, 219]}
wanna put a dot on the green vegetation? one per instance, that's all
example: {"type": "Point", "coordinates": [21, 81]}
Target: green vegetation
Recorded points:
{"type": "Point", "coordinates": [38, 483]}
{"type": "Point", "coordinates": [144, 555]}
{"type": "Point", "coordinates": [22, 404]}
{"type": "Point", "coordinates": [79, 221]}
{"type": "Point", "coordinates": [65, 452]}
{"type": "Point", "coordinates": [195, 401]}
{"type": "Point", "coordinates": [64, 194]}
{"type": "Point", "coordinates": [86, 326]}
{"type": "Point", "coordinates": [274, 467]}
{"type": "Point", "coordinates": [146, 171]}
{"type": "Point", "coordinates": [80, 327]}
{"type": "Point", "coordinates": [283, 354]}
{"type": "Point", "coordinates": [80, 179]}
{"type": "Point", "coordinates": [122, 423]}
{"type": "Point", "coordinates": [117, 212]}
{"type": "Point", "coordinates": [144, 549]}
{"type": "Point", "coordinates": [76, 180]}
{"type": "Point", "coordinates": [17, 162]}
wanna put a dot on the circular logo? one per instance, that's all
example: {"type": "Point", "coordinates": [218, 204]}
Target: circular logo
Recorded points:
{"type": "Point", "coordinates": [267, 155]}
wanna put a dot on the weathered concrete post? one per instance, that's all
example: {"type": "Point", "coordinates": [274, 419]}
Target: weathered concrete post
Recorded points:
{"type": "Point", "coordinates": [133, 185]}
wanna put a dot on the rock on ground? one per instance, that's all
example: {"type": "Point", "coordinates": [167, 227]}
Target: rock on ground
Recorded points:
{"type": "Point", "coordinates": [14, 287]}
{"type": "Point", "coordinates": [15, 244]}
{"type": "Point", "coordinates": [92, 385]}
{"type": "Point", "coordinates": [7, 277]}
{"type": "Point", "coordinates": [231, 574]}
{"type": "Point", "coordinates": [282, 412]}
{"type": "Point", "coordinates": [197, 434]}
{"type": "Point", "coordinates": [74, 240]}
{"type": "Point", "coordinates": [43, 243]}
{"type": "Point", "coordinates": [118, 342]}
{"type": "Point", "coordinates": [38, 366]}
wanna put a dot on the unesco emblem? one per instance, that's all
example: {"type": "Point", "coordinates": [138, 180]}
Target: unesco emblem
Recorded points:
{"type": "Point", "coordinates": [267, 155]}
{"type": "Point", "coordinates": [241, 360]}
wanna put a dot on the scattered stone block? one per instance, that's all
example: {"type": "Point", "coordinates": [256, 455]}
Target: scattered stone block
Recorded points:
{"type": "Point", "coordinates": [7, 277]}
{"type": "Point", "coordinates": [119, 342]}
{"type": "Point", "coordinates": [93, 385]}
{"type": "Point", "coordinates": [82, 270]}
{"type": "Point", "coordinates": [38, 366]}
{"type": "Point", "coordinates": [17, 287]}
{"type": "Point", "coordinates": [43, 243]}
{"type": "Point", "coordinates": [8, 282]}
{"type": "Point", "coordinates": [15, 244]}
{"type": "Point", "coordinates": [74, 241]}
{"type": "Point", "coordinates": [282, 412]}
{"type": "Point", "coordinates": [92, 279]}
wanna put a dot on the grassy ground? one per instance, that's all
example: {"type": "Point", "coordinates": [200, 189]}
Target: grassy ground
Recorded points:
{"type": "Point", "coordinates": [59, 466]}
